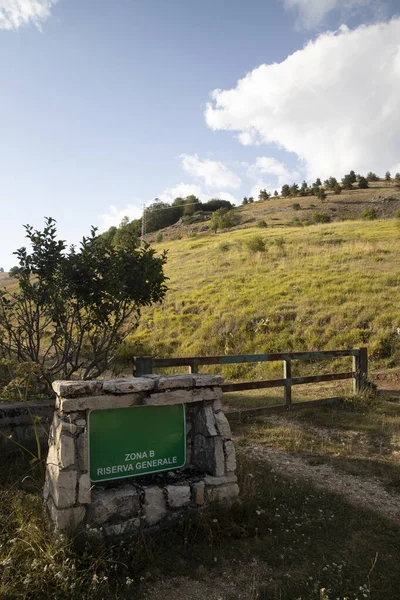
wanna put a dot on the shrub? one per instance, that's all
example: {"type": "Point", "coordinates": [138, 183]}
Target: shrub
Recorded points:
{"type": "Point", "coordinates": [159, 237]}
{"type": "Point", "coordinates": [223, 247]}
{"type": "Point", "coordinates": [296, 206]}
{"type": "Point", "coordinates": [72, 309]}
{"type": "Point", "coordinates": [368, 214]}
{"type": "Point", "coordinates": [321, 218]}
{"type": "Point", "coordinates": [261, 224]}
{"type": "Point", "coordinates": [256, 244]}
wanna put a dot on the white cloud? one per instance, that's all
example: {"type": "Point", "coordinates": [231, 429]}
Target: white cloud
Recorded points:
{"type": "Point", "coordinates": [16, 13]}
{"type": "Point", "coordinates": [115, 215]}
{"type": "Point", "coordinates": [181, 190]}
{"type": "Point", "coordinates": [334, 103]}
{"type": "Point", "coordinates": [267, 165]}
{"type": "Point", "coordinates": [312, 13]}
{"type": "Point", "coordinates": [212, 172]}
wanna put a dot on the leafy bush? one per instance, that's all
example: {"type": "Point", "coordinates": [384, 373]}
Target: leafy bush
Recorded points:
{"type": "Point", "coordinates": [321, 218]}
{"type": "Point", "coordinates": [368, 214]}
{"type": "Point", "coordinates": [256, 244]}
{"type": "Point", "coordinates": [72, 309]}
{"type": "Point", "coordinates": [296, 206]}
{"type": "Point", "coordinates": [159, 237]}
{"type": "Point", "coordinates": [261, 224]}
{"type": "Point", "coordinates": [223, 219]}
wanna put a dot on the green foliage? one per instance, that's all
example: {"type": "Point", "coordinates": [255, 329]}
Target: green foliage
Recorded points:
{"type": "Point", "coordinates": [276, 194]}
{"type": "Point", "coordinates": [263, 195]}
{"type": "Point", "coordinates": [363, 183]}
{"type": "Point", "coordinates": [245, 201]}
{"type": "Point", "coordinates": [159, 237]}
{"type": "Point", "coordinates": [303, 189]}
{"type": "Point", "coordinates": [285, 192]}
{"type": "Point", "coordinates": [215, 204]}
{"type": "Point", "coordinates": [318, 182]}
{"type": "Point", "coordinates": [321, 218]}
{"type": "Point", "coordinates": [261, 224]}
{"type": "Point", "coordinates": [321, 194]}
{"type": "Point", "coordinates": [337, 190]}
{"type": "Point", "coordinates": [387, 176]}
{"type": "Point", "coordinates": [191, 205]}
{"type": "Point", "coordinates": [368, 214]}
{"type": "Point", "coordinates": [255, 244]}
{"type": "Point", "coordinates": [223, 219]}
{"type": "Point", "coordinates": [296, 206]}
{"type": "Point", "coordinates": [160, 214]}
{"type": "Point", "coordinates": [13, 272]}
{"type": "Point", "coordinates": [372, 177]}
{"type": "Point", "coordinates": [251, 199]}
{"type": "Point", "coordinates": [73, 308]}
{"type": "Point", "coordinates": [347, 182]}
{"type": "Point", "coordinates": [294, 190]}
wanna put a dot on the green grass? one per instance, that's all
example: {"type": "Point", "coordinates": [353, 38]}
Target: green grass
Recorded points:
{"type": "Point", "coordinates": [327, 286]}
{"type": "Point", "coordinates": [301, 540]}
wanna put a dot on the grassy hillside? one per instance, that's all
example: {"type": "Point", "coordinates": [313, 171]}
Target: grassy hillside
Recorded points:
{"type": "Point", "coordinates": [324, 286]}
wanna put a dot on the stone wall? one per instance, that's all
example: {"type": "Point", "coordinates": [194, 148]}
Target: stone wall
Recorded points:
{"type": "Point", "coordinates": [114, 508]}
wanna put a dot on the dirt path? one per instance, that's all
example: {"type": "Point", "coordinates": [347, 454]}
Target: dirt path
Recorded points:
{"type": "Point", "coordinates": [360, 491]}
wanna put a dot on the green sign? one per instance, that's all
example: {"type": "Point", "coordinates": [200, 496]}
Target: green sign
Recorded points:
{"type": "Point", "coordinates": [125, 442]}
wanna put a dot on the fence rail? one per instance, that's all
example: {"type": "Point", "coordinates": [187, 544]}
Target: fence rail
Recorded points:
{"type": "Point", "coordinates": [144, 365]}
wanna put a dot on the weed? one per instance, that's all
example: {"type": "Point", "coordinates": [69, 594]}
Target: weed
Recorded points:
{"type": "Point", "coordinates": [256, 244]}
{"type": "Point", "coordinates": [368, 214]}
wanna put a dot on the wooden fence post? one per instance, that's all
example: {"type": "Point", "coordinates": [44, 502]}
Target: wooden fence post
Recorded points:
{"type": "Point", "coordinates": [142, 365]}
{"type": "Point", "coordinates": [360, 367]}
{"type": "Point", "coordinates": [287, 374]}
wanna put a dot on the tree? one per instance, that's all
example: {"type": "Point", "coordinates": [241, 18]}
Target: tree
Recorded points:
{"type": "Point", "coordinates": [160, 214]}
{"type": "Point", "coordinates": [397, 180]}
{"type": "Point", "coordinates": [276, 194]}
{"type": "Point", "coordinates": [13, 272]}
{"type": "Point", "coordinates": [222, 219]}
{"type": "Point", "coordinates": [294, 190]}
{"type": "Point", "coordinates": [73, 308]}
{"type": "Point", "coordinates": [347, 182]}
{"type": "Point", "coordinates": [245, 201]}
{"type": "Point", "coordinates": [285, 192]}
{"type": "Point", "coordinates": [1, 270]}
{"type": "Point", "coordinates": [363, 183]}
{"type": "Point", "coordinates": [352, 176]}
{"type": "Point", "coordinates": [318, 182]}
{"type": "Point", "coordinates": [387, 175]}
{"type": "Point", "coordinates": [303, 189]}
{"type": "Point", "coordinates": [372, 177]}
{"type": "Point", "coordinates": [331, 183]}
{"type": "Point", "coordinates": [215, 204]}
{"type": "Point", "coordinates": [337, 189]}
{"type": "Point", "coordinates": [263, 195]}
{"type": "Point", "coordinates": [321, 194]}
{"type": "Point", "coordinates": [192, 205]}
{"type": "Point", "coordinates": [251, 199]}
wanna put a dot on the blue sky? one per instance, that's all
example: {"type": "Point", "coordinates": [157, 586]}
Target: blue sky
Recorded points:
{"type": "Point", "coordinates": [107, 105]}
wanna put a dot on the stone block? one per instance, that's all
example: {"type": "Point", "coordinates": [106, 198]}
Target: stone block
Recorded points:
{"type": "Point", "coordinates": [207, 380]}
{"type": "Point", "coordinates": [217, 405]}
{"type": "Point", "coordinates": [223, 426]}
{"type": "Point", "coordinates": [68, 405]}
{"type": "Point", "coordinates": [214, 481]}
{"type": "Point", "coordinates": [230, 456]}
{"type": "Point", "coordinates": [155, 507]}
{"type": "Point", "coordinates": [82, 451]}
{"type": "Point", "coordinates": [61, 486]}
{"type": "Point", "coordinates": [171, 382]}
{"type": "Point", "coordinates": [75, 389]}
{"type": "Point", "coordinates": [66, 519]}
{"type": "Point", "coordinates": [128, 386]}
{"type": "Point", "coordinates": [208, 455]}
{"type": "Point", "coordinates": [207, 394]}
{"type": "Point", "coordinates": [198, 490]}
{"type": "Point", "coordinates": [66, 451]}
{"type": "Point", "coordinates": [113, 504]}
{"type": "Point", "coordinates": [169, 397]}
{"type": "Point", "coordinates": [220, 493]}
{"type": "Point", "coordinates": [84, 489]}
{"type": "Point", "coordinates": [203, 420]}
{"type": "Point", "coordinates": [119, 529]}
{"type": "Point", "coordinates": [178, 495]}
{"type": "Point", "coordinates": [80, 423]}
